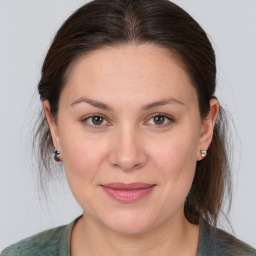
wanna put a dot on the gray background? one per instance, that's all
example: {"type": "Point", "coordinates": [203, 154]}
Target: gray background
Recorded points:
{"type": "Point", "coordinates": [26, 30]}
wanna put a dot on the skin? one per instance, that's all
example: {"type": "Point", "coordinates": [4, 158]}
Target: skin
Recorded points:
{"type": "Point", "coordinates": [130, 146]}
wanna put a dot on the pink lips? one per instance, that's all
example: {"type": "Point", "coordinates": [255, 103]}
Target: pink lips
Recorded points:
{"type": "Point", "coordinates": [127, 193]}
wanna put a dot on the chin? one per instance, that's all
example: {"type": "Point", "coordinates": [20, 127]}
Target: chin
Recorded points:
{"type": "Point", "coordinates": [129, 223]}
{"type": "Point", "coordinates": [134, 228]}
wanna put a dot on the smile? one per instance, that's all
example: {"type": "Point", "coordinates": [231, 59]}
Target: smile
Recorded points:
{"type": "Point", "coordinates": [128, 193]}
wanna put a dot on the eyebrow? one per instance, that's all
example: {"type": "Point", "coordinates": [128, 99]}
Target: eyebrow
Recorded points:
{"type": "Point", "coordinates": [104, 106]}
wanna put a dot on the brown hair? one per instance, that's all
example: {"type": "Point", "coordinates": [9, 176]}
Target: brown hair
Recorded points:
{"type": "Point", "coordinates": [102, 23]}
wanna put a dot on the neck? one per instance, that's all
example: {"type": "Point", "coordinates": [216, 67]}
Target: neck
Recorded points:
{"type": "Point", "coordinates": [173, 237]}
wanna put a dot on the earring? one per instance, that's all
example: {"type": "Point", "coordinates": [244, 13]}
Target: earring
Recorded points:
{"type": "Point", "coordinates": [57, 156]}
{"type": "Point", "coordinates": [203, 153]}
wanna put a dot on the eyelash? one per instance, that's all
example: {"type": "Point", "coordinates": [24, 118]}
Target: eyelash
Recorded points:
{"type": "Point", "coordinates": [167, 117]}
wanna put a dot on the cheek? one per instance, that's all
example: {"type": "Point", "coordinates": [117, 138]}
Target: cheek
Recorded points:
{"type": "Point", "coordinates": [176, 158]}
{"type": "Point", "coordinates": [82, 157]}
{"type": "Point", "coordinates": [177, 149]}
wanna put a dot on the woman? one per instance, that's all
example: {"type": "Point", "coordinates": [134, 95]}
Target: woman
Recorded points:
{"type": "Point", "coordinates": [128, 94]}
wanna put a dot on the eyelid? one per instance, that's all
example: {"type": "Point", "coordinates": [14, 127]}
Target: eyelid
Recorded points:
{"type": "Point", "coordinates": [168, 117]}
{"type": "Point", "coordinates": [84, 120]}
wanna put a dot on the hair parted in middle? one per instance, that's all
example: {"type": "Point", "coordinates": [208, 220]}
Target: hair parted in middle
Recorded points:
{"type": "Point", "coordinates": [114, 23]}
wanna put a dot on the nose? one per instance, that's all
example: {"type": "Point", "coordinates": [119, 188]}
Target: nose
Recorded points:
{"type": "Point", "coordinates": [127, 150]}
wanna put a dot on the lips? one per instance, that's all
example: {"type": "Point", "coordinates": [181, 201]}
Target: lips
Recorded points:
{"type": "Point", "coordinates": [128, 193]}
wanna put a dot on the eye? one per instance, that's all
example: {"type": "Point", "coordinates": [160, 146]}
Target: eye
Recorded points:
{"type": "Point", "coordinates": [160, 120]}
{"type": "Point", "coordinates": [97, 121]}
{"type": "Point", "coordinates": [94, 121]}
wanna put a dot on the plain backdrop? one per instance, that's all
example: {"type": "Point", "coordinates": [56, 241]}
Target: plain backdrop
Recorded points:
{"type": "Point", "coordinates": [26, 30]}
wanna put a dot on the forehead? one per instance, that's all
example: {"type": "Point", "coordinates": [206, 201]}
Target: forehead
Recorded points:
{"type": "Point", "coordinates": [129, 71]}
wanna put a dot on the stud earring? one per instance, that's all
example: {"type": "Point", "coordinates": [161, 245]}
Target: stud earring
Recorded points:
{"type": "Point", "coordinates": [203, 153]}
{"type": "Point", "coordinates": [57, 156]}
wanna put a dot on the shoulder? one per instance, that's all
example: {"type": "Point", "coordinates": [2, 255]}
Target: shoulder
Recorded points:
{"type": "Point", "coordinates": [50, 242]}
{"type": "Point", "coordinates": [214, 241]}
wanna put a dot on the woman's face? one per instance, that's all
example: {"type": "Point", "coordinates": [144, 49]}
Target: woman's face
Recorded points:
{"type": "Point", "coordinates": [130, 134]}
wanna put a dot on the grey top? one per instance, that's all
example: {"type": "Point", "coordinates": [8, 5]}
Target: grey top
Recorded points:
{"type": "Point", "coordinates": [56, 242]}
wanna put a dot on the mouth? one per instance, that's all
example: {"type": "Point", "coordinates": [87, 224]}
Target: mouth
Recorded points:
{"type": "Point", "coordinates": [128, 193]}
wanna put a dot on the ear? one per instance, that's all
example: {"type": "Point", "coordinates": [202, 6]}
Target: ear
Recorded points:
{"type": "Point", "coordinates": [207, 127]}
{"type": "Point", "coordinates": [52, 124]}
